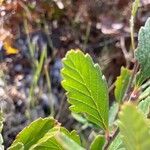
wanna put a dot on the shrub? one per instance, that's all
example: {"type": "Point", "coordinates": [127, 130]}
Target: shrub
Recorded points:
{"type": "Point", "coordinates": [125, 124]}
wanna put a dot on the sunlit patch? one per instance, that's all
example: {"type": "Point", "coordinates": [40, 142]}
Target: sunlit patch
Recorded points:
{"type": "Point", "coordinates": [1, 1]}
{"type": "Point", "coordinates": [9, 49]}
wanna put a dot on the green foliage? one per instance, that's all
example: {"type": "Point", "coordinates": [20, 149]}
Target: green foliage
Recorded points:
{"type": "Point", "coordinates": [112, 113]}
{"type": "Point", "coordinates": [135, 7]}
{"type": "Point", "coordinates": [67, 143]}
{"type": "Point", "coordinates": [82, 120]}
{"type": "Point", "coordinates": [142, 53]}
{"type": "Point", "coordinates": [73, 135]}
{"type": "Point", "coordinates": [122, 84]}
{"type": "Point", "coordinates": [43, 134]}
{"type": "Point", "coordinates": [35, 131]}
{"type": "Point", "coordinates": [98, 143]}
{"type": "Point", "coordinates": [134, 128]}
{"type": "Point", "coordinates": [116, 144]}
{"type": "Point", "coordinates": [86, 87]}
{"type": "Point", "coordinates": [38, 69]}
{"type": "Point", "coordinates": [56, 139]}
{"type": "Point", "coordinates": [17, 146]}
{"type": "Point", "coordinates": [87, 93]}
{"type": "Point", "coordinates": [144, 106]}
{"type": "Point", "coordinates": [145, 93]}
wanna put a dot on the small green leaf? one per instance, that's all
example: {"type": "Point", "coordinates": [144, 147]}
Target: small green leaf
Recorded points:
{"type": "Point", "coordinates": [51, 141]}
{"type": "Point", "coordinates": [145, 93]}
{"type": "Point", "coordinates": [86, 86]}
{"type": "Point", "coordinates": [34, 132]}
{"type": "Point", "coordinates": [142, 53]}
{"type": "Point", "coordinates": [122, 84]}
{"type": "Point", "coordinates": [117, 144]}
{"type": "Point", "coordinates": [67, 143]}
{"type": "Point", "coordinates": [79, 118]}
{"type": "Point", "coordinates": [98, 143]}
{"type": "Point", "coordinates": [134, 128]}
{"type": "Point", "coordinates": [135, 7]}
{"type": "Point", "coordinates": [144, 106]}
{"type": "Point", "coordinates": [113, 112]}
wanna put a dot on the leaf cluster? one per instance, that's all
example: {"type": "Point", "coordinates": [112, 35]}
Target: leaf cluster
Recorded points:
{"type": "Point", "coordinates": [125, 126]}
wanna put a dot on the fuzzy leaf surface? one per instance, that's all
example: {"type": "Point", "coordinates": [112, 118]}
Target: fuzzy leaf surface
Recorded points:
{"type": "Point", "coordinates": [142, 53]}
{"type": "Point", "coordinates": [86, 87]}
{"type": "Point", "coordinates": [134, 128]}
{"type": "Point", "coordinates": [34, 132]}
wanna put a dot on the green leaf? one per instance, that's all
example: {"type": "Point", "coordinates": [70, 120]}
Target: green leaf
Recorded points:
{"type": "Point", "coordinates": [116, 144]}
{"type": "Point", "coordinates": [51, 141]}
{"type": "Point", "coordinates": [98, 143]}
{"type": "Point", "coordinates": [18, 146]}
{"type": "Point", "coordinates": [113, 112]}
{"type": "Point", "coordinates": [73, 135]}
{"type": "Point", "coordinates": [41, 134]}
{"type": "Point", "coordinates": [67, 143]}
{"type": "Point", "coordinates": [34, 132]}
{"type": "Point", "coordinates": [79, 118]}
{"type": "Point", "coordinates": [134, 128]}
{"type": "Point", "coordinates": [144, 106]}
{"type": "Point", "coordinates": [135, 7]}
{"type": "Point", "coordinates": [121, 84]}
{"type": "Point", "coordinates": [145, 93]}
{"type": "Point", "coordinates": [142, 53]}
{"type": "Point", "coordinates": [86, 87]}
{"type": "Point", "coordinates": [48, 141]}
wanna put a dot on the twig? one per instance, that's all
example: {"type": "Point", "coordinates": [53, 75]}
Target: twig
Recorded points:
{"type": "Point", "coordinates": [61, 107]}
{"type": "Point", "coordinates": [111, 87]}
{"type": "Point", "coordinates": [126, 54]}
{"type": "Point", "coordinates": [111, 139]}
{"type": "Point", "coordinates": [87, 35]}
{"type": "Point", "coordinates": [135, 69]}
{"type": "Point", "coordinates": [127, 95]}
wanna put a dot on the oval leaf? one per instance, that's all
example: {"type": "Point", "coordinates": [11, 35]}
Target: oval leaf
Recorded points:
{"type": "Point", "coordinates": [134, 128]}
{"type": "Point", "coordinates": [121, 84]}
{"type": "Point", "coordinates": [144, 106]}
{"type": "Point", "coordinates": [142, 53]}
{"type": "Point", "coordinates": [34, 132]}
{"type": "Point", "coordinates": [86, 87]}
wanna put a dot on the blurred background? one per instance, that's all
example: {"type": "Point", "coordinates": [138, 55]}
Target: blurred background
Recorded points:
{"type": "Point", "coordinates": [36, 34]}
